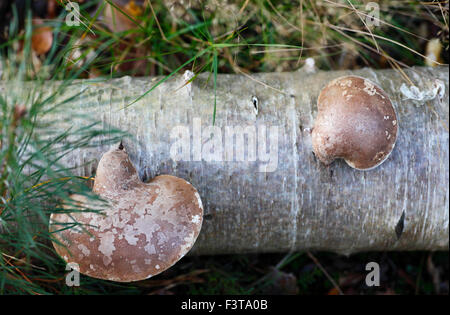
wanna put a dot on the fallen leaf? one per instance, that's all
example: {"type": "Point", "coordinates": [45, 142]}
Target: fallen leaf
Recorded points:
{"type": "Point", "coordinates": [42, 38]}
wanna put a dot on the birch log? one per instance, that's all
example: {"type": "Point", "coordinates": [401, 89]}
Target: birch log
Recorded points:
{"type": "Point", "coordinates": [281, 198]}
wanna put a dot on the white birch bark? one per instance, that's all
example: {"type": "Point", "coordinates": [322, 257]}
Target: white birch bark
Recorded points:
{"type": "Point", "coordinates": [299, 204]}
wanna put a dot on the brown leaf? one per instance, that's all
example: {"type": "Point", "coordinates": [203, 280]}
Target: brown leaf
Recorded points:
{"type": "Point", "coordinates": [42, 38]}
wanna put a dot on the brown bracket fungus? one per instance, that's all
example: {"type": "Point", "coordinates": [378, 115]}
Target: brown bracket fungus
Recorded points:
{"type": "Point", "coordinates": [147, 228]}
{"type": "Point", "coordinates": [356, 122]}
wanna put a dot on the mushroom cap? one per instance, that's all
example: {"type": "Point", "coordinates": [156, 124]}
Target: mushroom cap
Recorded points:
{"type": "Point", "coordinates": [145, 229]}
{"type": "Point", "coordinates": [356, 122]}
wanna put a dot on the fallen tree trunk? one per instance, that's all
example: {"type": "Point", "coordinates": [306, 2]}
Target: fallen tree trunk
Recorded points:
{"type": "Point", "coordinates": [280, 197]}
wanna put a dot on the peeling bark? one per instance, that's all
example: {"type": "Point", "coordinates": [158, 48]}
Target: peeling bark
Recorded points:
{"type": "Point", "coordinates": [302, 205]}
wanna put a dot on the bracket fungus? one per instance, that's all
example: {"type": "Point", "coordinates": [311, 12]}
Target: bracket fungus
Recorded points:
{"type": "Point", "coordinates": [356, 122]}
{"type": "Point", "coordinates": [144, 230]}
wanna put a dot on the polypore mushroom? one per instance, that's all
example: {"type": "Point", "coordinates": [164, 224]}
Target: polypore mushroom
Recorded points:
{"type": "Point", "coordinates": [146, 229]}
{"type": "Point", "coordinates": [356, 122]}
